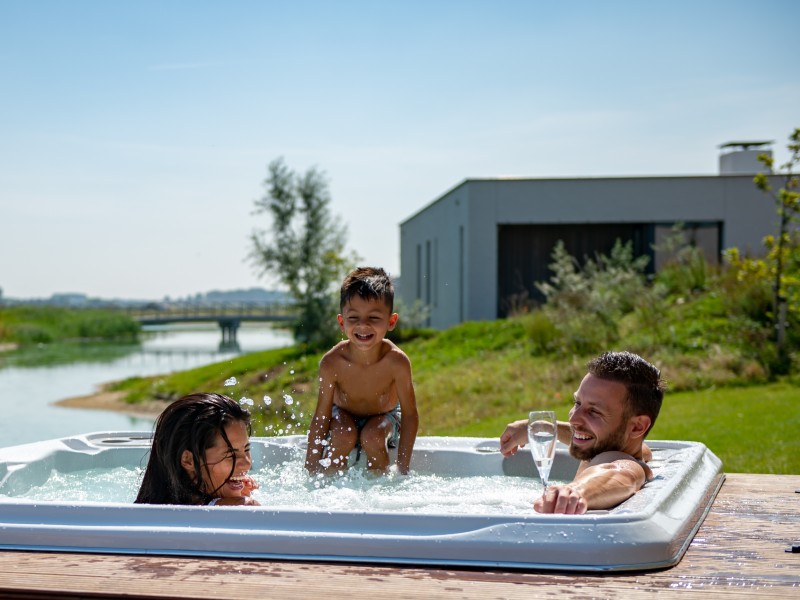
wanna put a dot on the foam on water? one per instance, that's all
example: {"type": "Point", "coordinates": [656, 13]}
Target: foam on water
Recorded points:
{"type": "Point", "coordinates": [119, 484]}
{"type": "Point", "coordinates": [288, 486]}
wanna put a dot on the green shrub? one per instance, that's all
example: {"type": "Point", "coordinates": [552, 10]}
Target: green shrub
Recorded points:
{"type": "Point", "coordinates": [543, 334]}
{"type": "Point", "coordinates": [46, 324]}
{"type": "Point", "coordinates": [29, 333]}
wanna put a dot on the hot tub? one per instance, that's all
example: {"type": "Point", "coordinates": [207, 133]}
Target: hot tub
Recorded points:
{"type": "Point", "coordinates": [650, 530]}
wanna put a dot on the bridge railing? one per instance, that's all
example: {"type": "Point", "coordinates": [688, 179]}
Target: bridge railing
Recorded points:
{"type": "Point", "coordinates": [211, 311]}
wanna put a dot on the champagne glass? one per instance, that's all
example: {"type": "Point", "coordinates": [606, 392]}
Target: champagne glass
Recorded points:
{"type": "Point", "coordinates": [542, 430]}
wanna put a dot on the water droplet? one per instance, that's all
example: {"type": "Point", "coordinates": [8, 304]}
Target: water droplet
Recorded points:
{"type": "Point", "coordinates": [230, 381]}
{"type": "Point", "coordinates": [288, 399]}
{"type": "Point", "coordinates": [246, 401]}
{"type": "Point", "coordinates": [267, 400]}
{"type": "Point", "coordinates": [291, 372]}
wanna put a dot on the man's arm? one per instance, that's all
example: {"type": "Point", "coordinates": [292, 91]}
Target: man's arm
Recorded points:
{"type": "Point", "coordinates": [409, 419]}
{"type": "Point", "coordinates": [515, 436]}
{"type": "Point", "coordinates": [608, 480]}
{"type": "Point", "coordinates": [321, 421]}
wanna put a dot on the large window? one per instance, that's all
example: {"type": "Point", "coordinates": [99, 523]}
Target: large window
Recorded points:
{"type": "Point", "coordinates": [525, 251]}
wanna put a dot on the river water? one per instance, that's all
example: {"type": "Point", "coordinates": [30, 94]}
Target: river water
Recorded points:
{"type": "Point", "coordinates": [28, 393]}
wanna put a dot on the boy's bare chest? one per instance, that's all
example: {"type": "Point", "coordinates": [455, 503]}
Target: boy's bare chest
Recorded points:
{"type": "Point", "coordinates": [368, 389]}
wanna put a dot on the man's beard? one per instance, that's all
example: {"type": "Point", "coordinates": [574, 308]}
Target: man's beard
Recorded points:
{"type": "Point", "coordinates": [613, 442]}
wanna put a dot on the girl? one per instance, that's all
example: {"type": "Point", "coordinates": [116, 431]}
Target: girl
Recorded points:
{"type": "Point", "coordinates": [200, 454]}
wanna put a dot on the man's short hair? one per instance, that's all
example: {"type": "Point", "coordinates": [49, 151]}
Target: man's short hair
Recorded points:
{"type": "Point", "coordinates": [641, 380]}
{"type": "Point", "coordinates": [369, 283]}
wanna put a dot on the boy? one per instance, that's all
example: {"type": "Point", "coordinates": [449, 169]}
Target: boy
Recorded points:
{"type": "Point", "coordinates": [364, 383]}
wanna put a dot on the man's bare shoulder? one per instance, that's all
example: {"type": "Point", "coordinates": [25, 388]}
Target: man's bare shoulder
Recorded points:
{"type": "Point", "coordinates": [624, 459]}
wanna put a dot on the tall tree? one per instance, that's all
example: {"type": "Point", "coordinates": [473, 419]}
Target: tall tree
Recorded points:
{"type": "Point", "coordinates": [304, 248]}
{"type": "Point", "coordinates": [783, 249]}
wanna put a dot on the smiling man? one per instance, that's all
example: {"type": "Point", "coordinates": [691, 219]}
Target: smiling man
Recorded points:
{"type": "Point", "coordinates": [614, 408]}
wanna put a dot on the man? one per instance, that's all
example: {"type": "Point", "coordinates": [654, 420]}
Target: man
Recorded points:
{"type": "Point", "coordinates": [615, 407]}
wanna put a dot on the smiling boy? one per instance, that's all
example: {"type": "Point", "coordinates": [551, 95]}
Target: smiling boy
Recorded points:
{"type": "Point", "coordinates": [365, 384]}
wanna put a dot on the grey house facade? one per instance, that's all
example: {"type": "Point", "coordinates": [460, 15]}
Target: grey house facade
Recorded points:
{"type": "Point", "coordinates": [479, 248]}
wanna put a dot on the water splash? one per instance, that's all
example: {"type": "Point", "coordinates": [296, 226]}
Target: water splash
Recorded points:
{"type": "Point", "coordinates": [288, 485]}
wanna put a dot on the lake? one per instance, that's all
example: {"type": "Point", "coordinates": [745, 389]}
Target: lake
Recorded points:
{"type": "Point", "coordinates": [28, 393]}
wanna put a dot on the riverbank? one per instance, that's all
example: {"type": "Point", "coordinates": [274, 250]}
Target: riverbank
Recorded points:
{"type": "Point", "coordinates": [104, 399]}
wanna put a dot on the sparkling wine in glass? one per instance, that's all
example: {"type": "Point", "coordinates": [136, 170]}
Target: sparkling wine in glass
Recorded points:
{"type": "Point", "coordinates": [542, 429]}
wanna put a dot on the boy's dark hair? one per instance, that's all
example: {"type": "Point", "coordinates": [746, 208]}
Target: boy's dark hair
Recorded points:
{"type": "Point", "coordinates": [190, 423]}
{"type": "Point", "coordinates": [641, 380]}
{"type": "Point", "coordinates": [369, 283]}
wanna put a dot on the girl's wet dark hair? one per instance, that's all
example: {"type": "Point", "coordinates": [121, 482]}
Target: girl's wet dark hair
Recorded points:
{"type": "Point", "coordinates": [190, 423]}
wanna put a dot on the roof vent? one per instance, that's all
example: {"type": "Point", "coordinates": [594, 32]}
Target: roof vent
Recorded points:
{"type": "Point", "coordinates": [741, 158]}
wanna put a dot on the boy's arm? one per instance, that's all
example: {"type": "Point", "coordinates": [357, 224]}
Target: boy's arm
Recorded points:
{"type": "Point", "coordinates": [409, 419]}
{"type": "Point", "coordinates": [321, 421]}
{"type": "Point", "coordinates": [608, 480]}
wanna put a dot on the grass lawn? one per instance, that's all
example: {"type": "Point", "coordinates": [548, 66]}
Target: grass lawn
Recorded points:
{"type": "Point", "coordinates": [474, 378]}
{"type": "Point", "coordinates": [753, 429]}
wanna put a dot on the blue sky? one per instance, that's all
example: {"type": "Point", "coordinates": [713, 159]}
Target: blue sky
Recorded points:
{"type": "Point", "coordinates": [134, 136]}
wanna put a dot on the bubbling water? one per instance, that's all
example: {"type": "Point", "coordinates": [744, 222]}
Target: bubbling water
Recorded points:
{"type": "Point", "coordinates": [288, 486]}
{"type": "Point", "coordinates": [119, 484]}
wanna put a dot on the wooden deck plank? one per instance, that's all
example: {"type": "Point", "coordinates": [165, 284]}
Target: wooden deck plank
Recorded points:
{"type": "Point", "coordinates": [739, 550]}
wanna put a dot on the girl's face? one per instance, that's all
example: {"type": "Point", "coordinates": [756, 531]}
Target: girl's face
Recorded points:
{"type": "Point", "coordinates": [219, 463]}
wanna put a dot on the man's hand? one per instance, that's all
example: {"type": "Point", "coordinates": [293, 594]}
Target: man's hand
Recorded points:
{"type": "Point", "coordinates": [562, 499]}
{"type": "Point", "coordinates": [647, 454]}
{"type": "Point", "coordinates": [514, 437]}
{"type": "Point", "coordinates": [599, 485]}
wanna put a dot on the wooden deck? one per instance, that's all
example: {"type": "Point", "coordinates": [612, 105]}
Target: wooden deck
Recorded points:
{"type": "Point", "coordinates": [739, 550]}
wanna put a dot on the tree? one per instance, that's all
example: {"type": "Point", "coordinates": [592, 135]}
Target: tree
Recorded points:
{"type": "Point", "coordinates": [783, 250]}
{"type": "Point", "coordinates": [305, 248]}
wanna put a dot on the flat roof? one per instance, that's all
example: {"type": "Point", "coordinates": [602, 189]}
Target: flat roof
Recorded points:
{"type": "Point", "coordinates": [746, 145]}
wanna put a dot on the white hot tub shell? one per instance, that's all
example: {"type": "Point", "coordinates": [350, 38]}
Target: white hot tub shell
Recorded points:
{"type": "Point", "coordinates": [651, 530]}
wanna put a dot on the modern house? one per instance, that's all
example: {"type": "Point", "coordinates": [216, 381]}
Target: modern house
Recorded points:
{"type": "Point", "coordinates": [470, 252]}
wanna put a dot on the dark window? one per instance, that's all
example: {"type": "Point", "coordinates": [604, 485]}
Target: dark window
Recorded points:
{"type": "Point", "coordinates": [525, 251]}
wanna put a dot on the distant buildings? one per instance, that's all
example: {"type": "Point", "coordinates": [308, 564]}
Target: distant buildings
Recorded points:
{"type": "Point", "coordinates": [470, 252]}
{"type": "Point", "coordinates": [243, 297]}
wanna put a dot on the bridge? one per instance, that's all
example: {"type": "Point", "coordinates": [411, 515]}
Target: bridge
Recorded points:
{"type": "Point", "coordinates": [228, 316]}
